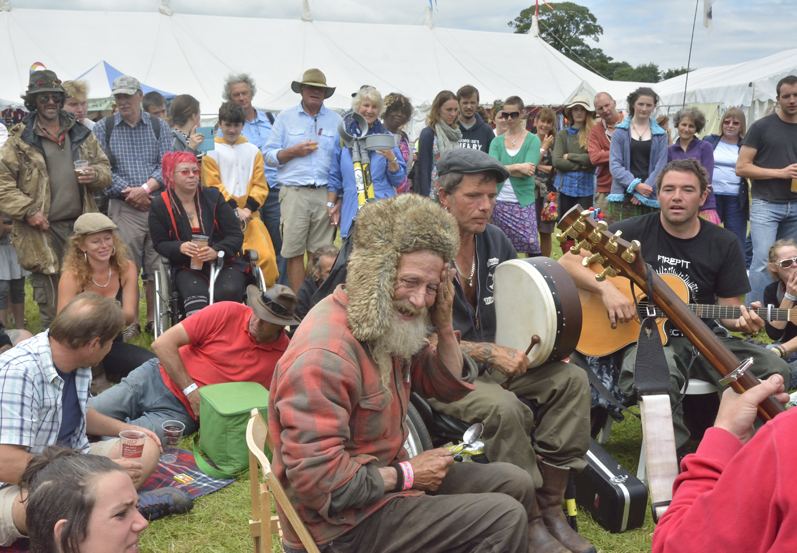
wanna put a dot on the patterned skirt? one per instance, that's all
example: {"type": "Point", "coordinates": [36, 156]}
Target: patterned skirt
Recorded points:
{"type": "Point", "coordinates": [519, 224]}
{"type": "Point", "coordinates": [711, 216]}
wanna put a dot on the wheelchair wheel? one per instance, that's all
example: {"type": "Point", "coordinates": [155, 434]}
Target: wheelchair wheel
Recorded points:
{"type": "Point", "coordinates": [161, 323]}
{"type": "Point", "coordinates": [418, 439]}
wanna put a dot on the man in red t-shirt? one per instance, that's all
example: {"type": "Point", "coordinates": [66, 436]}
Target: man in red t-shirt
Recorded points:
{"type": "Point", "coordinates": [600, 138]}
{"type": "Point", "coordinates": [225, 342]}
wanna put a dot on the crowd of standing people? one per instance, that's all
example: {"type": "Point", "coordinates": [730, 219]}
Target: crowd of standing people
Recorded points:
{"type": "Point", "coordinates": [90, 208]}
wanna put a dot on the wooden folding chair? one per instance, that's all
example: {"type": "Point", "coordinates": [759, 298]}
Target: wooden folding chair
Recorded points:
{"type": "Point", "coordinates": [263, 525]}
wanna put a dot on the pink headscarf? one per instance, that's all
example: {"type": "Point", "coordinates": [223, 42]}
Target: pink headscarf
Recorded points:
{"type": "Point", "coordinates": [170, 161]}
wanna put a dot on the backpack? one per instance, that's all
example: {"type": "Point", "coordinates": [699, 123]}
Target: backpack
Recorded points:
{"type": "Point", "coordinates": [109, 126]}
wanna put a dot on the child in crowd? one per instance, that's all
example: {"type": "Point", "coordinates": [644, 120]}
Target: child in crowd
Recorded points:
{"type": "Point", "coordinates": [12, 279]}
{"type": "Point", "coordinates": [235, 167]}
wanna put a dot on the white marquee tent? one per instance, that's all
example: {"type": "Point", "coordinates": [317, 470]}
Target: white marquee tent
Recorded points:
{"type": "Point", "coordinates": [194, 53]}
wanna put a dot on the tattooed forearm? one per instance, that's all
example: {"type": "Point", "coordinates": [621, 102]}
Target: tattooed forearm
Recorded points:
{"type": "Point", "coordinates": [506, 360]}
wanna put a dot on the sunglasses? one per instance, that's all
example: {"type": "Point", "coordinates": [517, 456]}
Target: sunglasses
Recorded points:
{"type": "Point", "coordinates": [509, 115]}
{"type": "Point", "coordinates": [732, 123]}
{"type": "Point", "coordinates": [788, 262]}
{"type": "Point", "coordinates": [44, 98]}
{"type": "Point", "coordinates": [187, 172]}
{"type": "Point", "coordinates": [274, 306]}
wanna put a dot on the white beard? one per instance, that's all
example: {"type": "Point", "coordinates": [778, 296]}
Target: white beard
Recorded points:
{"type": "Point", "coordinates": [403, 340]}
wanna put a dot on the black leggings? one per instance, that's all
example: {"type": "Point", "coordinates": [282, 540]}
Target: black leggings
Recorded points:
{"type": "Point", "coordinates": [567, 202]}
{"type": "Point", "coordinates": [193, 288]}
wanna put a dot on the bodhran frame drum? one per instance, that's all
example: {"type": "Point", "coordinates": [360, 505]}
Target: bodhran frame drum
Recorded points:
{"type": "Point", "coordinates": [536, 297]}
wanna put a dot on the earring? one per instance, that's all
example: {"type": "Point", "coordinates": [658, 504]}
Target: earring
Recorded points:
{"type": "Point", "coordinates": [86, 257]}
{"type": "Point", "coordinates": [114, 251]}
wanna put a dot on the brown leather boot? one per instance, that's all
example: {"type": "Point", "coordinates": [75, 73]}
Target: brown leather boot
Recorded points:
{"type": "Point", "coordinates": [549, 499]}
{"type": "Point", "coordinates": [540, 540]}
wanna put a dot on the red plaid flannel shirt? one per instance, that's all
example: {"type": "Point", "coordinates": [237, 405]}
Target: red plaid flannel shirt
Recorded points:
{"type": "Point", "coordinates": [329, 416]}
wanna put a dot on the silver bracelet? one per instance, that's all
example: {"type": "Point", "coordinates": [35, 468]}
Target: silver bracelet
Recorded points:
{"type": "Point", "coordinates": [790, 297]}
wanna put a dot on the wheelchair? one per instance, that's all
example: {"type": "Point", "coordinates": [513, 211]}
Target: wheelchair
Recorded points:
{"type": "Point", "coordinates": [168, 303]}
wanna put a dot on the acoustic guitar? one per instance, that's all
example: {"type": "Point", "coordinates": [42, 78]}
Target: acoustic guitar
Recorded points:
{"type": "Point", "coordinates": [598, 338]}
{"type": "Point", "coordinates": [621, 258]}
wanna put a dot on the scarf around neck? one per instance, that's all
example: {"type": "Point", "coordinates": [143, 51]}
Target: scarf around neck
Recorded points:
{"type": "Point", "coordinates": [447, 137]}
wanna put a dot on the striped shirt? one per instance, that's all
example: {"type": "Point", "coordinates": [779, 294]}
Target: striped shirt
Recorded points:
{"type": "Point", "coordinates": [138, 153]}
{"type": "Point", "coordinates": [30, 397]}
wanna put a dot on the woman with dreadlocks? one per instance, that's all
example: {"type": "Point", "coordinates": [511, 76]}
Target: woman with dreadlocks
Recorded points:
{"type": "Point", "coordinates": [186, 208]}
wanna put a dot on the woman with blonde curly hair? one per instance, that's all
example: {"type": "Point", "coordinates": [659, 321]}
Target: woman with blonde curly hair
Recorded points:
{"type": "Point", "coordinates": [97, 261]}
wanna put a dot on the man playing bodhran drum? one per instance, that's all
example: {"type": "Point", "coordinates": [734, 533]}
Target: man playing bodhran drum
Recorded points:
{"type": "Point", "coordinates": [340, 395]}
{"type": "Point", "coordinates": [559, 391]}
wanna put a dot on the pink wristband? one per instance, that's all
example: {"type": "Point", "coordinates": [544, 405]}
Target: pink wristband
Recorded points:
{"type": "Point", "coordinates": [409, 475]}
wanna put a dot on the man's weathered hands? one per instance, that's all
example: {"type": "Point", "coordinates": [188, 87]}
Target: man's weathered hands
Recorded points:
{"type": "Point", "coordinates": [39, 221]}
{"type": "Point", "coordinates": [618, 307]}
{"type": "Point", "coordinates": [87, 175]}
{"type": "Point", "coordinates": [442, 311]}
{"type": "Point", "coordinates": [193, 400]}
{"type": "Point", "coordinates": [305, 148]}
{"type": "Point", "coordinates": [137, 197]}
{"type": "Point", "coordinates": [749, 322]}
{"type": "Point", "coordinates": [430, 467]}
{"type": "Point", "coordinates": [737, 412]}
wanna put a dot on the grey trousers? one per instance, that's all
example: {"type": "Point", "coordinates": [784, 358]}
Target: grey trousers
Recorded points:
{"type": "Point", "coordinates": [559, 391]}
{"type": "Point", "coordinates": [478, 508]}
{"type": "Point", "coordinates": [45, 287]}
{"type": "Point", "coordinates": [678, 352]}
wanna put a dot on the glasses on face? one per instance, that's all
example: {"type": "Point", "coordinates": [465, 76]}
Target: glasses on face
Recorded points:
{"type": "Point", "coordinates": [274, 306]}
{"type": "Point", "coordinates": [788, 262]}
{"type": "Point", "coordinates": [732, 123]}
{"type": "Point", "coordinates": [187, 172]}
{"type": "Point", "coordinates": [509, 115]}
{"type": "Point", "coordinates": [45, 98]}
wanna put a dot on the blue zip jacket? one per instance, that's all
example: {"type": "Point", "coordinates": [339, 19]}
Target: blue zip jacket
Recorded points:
{"type": "Point", "coordinates": [623, 181]}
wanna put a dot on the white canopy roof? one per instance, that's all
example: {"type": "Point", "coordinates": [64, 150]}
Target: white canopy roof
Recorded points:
{"type": "Point", "coordinates": [750, 85]}
{"type": "Point", "coordinates": [193, 54]}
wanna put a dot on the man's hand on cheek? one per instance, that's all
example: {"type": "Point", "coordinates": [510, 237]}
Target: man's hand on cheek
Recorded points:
{"type": "Point", "coordinates": [442, 309]}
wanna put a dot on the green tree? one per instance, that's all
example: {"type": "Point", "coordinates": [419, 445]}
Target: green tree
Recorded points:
{"type": "Point", "coordinates": [644, 73]}
{"type": "Point", "coordinates": [674, 72]}
{"type": "Point", "coordinates": [565, 28]}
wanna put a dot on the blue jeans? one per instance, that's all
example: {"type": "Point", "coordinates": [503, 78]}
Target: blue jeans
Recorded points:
{"type": "Point", "coordinates": [270, 214]}
{"type": "Point", "coordinates": [143, 399]}
{"type": "Point", "coordinates": [768, 222]}
{"type": "Point", "coordinates": [732, 216]}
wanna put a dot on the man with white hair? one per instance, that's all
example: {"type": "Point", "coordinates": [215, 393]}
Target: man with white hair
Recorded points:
{"type": "Point", "coordinates": [340, 396]}
{"type": "Point", "coordinates": [600, 140]}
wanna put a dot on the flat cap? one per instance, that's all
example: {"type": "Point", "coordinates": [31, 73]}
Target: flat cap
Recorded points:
{"type": "Point", "coordinates": [89, 223]}
{"type": "Point", "coordinates": [468, 160]}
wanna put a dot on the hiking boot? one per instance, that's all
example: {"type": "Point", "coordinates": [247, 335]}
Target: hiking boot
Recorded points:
{"type": "Point", "coordinates": [131, 332]}
{"type": "Point", "coordinates": [149, 328]}
{"type": "Point", "coordinates": [164, 502]}
{"type": "Point", "coordinates": [549, 500]}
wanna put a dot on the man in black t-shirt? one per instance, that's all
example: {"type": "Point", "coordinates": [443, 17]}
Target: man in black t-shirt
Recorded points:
{"type": "Point", "coordinates": [708, 258]}
{"type": "Point", "coordinates": [769, 158]}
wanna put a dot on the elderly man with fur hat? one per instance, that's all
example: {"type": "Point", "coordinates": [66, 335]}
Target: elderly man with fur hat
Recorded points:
{"type": "Point", "coordinates": [40, 189]}
{"type": "Point", "coordinates": [340, 393]}
{"type": "Point", "coordinates": [560, 392]}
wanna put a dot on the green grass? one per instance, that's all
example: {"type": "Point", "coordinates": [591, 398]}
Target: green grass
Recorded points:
{"type": "Point", "coordinates": [219, 521]}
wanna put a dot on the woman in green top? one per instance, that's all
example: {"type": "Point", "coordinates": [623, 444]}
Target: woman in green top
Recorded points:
{"type": "Point", "coordinates": [519, 150]}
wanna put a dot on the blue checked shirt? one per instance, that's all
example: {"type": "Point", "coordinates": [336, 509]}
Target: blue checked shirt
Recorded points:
{"type": "Point", "coordinates": [30, 397]}
{"type": "Point", "coordinates": [576, 183]}
{"type": "Point", "coordinates": [138, 154]}
{"type": "Point", "coordinates": [294, 125]}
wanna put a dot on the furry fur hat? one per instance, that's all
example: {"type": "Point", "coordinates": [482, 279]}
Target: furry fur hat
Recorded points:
{"type": "Point", "coordinates": [385, 230]}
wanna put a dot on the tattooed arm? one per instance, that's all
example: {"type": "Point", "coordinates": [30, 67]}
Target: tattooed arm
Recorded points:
{"type": "Point", "coordinates": [508, 361]}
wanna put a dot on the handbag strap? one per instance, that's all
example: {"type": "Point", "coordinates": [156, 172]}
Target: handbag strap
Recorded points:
{"type": "Point", "coordinates": [205, 467]}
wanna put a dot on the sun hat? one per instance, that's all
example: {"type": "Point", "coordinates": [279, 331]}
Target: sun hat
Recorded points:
{"type": "Point", "coordinates": [578, 101]}
{"type": "Point", "coordinates": [313, 77]}
{"type": "Point", "coordinates": [275, 305]}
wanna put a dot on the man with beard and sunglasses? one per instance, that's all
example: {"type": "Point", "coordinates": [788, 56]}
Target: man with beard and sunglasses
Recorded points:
{"type": "Point", "coordinates": [340, 396]}
{"type": "Point", "coordinates": [467, 189]}
{"type": "Point", "coordinates": [40, 189]}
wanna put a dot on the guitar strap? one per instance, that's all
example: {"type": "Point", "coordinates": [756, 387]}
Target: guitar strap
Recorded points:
{"type": "Point", "coordinates": [652, 384]}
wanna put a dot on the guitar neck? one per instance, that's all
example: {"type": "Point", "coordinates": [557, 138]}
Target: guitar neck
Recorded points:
{"type": "Point", "coordinates": [705, 311]}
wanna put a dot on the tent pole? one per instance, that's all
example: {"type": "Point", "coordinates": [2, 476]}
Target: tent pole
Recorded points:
{"type": "Point", "coordinates": [689, 61]}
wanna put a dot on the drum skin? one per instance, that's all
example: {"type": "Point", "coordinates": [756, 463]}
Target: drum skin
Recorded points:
{"type": "Point", "coordinates": [536, 296]}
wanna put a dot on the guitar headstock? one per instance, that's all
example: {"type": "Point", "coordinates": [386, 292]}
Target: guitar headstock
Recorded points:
{"type": "Point", "coordinates": [616, 255]}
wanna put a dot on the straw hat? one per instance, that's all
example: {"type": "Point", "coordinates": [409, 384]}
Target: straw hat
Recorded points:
{"type": "Point", "coordinates": [578, 101]}
{"type": "Point", "coordinates": [313, 77]}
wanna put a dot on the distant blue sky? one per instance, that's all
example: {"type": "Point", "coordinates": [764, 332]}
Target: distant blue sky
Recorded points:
{"type": "Point", "coordinates": [637, 31]}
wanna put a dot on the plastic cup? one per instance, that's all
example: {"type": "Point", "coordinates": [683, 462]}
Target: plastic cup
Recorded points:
{"type": "Point", "coordinates": [202, 241]}
{"type": "Point", "coordinates": [80, 165]}
{"type": "Point", "coordinates": [172, 434]}
{"type": "Point", "coordinates": [132, 443]}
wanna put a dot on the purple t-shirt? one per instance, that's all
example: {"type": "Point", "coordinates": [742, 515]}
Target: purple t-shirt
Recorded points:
{"type": "Point", "coordinates": [704, 153]}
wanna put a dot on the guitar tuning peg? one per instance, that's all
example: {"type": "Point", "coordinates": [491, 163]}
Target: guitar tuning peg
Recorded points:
{"type": "Point", "coordinates": [629, 255]}
{"type": "Point", "coordinates": [594, 258]}
{"type": "Point", "coordinates": [611, 245]}
{"type": "Point", "coordinates": [595, 235]}
{"type": "Point", "coordinates": [583, 245]}
{"type": "Point", "coordinates": [608, 271]}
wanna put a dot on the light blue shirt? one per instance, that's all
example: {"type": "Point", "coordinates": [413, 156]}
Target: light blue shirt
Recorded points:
{"type": "Point", "coordinates": [257, 132]}
{"type": "Point", "coordinates": [294, 125]}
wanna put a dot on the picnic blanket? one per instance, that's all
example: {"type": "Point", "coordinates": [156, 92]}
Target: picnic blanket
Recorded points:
{"type": "Point", "coordinates": [201, 484]}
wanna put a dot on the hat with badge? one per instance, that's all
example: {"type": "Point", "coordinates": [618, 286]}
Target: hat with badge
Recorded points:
{"type": "Point", "coordinates": [43, 81]}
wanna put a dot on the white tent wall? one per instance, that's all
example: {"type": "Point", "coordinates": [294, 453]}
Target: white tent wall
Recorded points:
{"type": "Point", "coordinates": [193, 54]}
